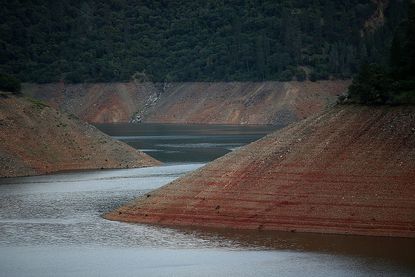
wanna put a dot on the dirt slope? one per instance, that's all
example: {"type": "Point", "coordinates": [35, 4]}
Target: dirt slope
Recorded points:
{"type": "Point", "coordinates": [95, 103]}
{"type": "Point", "coordinates": [36, 139]}
{"type": "Point", "coordinates": [278, 103]}
{"type": "Point", "coordinates": [193, 102]}
{"type": "Point", "coordinates": [350, 170]}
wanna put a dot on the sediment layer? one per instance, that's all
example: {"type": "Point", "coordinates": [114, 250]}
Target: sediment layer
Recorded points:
{"type": "Point", "coordinates": [277, 103]}
{"type": "Point", "coordinates": [37, 139]}
{"type": "Point", "coordinates": [350, 170]}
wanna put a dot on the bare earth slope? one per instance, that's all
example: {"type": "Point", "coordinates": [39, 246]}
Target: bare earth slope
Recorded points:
{"type": "Point", "coordinates": [350, 170]}
{"type": "Point", "coordinates": [277, 103]}
{"type": "Point", "coordinates": [36, 139]}
{"type": "Point", "coordinates": [192, 102]}
{"type": "Point", "coordinates": [94, 103]}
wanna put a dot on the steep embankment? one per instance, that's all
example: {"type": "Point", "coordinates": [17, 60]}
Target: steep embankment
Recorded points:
{"type": "Point", "coordinates": [95, 103]}
{"type": "Point", "coordinates": [278, 103]}
{"type": "Point", "coordinates": [37, 139]}
{"type": "Point", "coordinates": [350, 170]}
{"type": "Point", "coordinates": [193, 102]}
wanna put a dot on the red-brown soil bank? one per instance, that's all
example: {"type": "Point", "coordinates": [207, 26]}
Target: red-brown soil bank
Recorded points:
{"type": "Point", "coordinates": [350, 170]}
{"type": "Point", "coordinates": [192, 102]}
{"type": "Point", "coordinates": [36, 139]}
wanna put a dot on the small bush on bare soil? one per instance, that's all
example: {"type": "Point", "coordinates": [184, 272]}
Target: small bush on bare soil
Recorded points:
{"type": "Point", "coordinates": [37, 103]}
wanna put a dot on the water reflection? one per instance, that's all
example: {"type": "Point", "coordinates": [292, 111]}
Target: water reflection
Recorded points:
{"type": "Point", "coordinates": [177, 143]}
{"type": "Point", "coordinates": [52, 225]}
{"type": "Point", "coordinates": [398, 250]}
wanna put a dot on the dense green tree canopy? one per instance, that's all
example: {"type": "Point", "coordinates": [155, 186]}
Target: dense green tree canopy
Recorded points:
{"type": "Point", "coordinates": [371, 86]}
{"type": "Point", "coordinates": [9, 84]}
{"type": "Point", "coordinates": [186, 40]}
{"type": "Point", "coordinates": [393, 83]}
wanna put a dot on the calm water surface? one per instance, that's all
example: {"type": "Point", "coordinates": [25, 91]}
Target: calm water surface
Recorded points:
{"type": "Point", "coordinates": [52, 225]}
{"type": "Point", "coordinates": [173, 143]}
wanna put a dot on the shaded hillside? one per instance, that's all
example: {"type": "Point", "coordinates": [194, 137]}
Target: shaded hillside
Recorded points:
{"type": "Point", "coordinates": [220, 102]}
{"type": "Point", "coordinates": [350, 170]}
{"type": "Point", "coordinates": [392, 83]}
{"type": "Point", "coordinates": [36, 139]}
{"type": "Point", "coordinates": [106, 41]}
{"type": "Point", "coordinates": [96, 103]}
{"type": "Point", "coordinates": [278, 103]}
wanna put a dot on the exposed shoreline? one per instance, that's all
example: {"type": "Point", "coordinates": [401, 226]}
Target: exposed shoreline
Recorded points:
{"type": "Point", "coordinates": [36, 139]}
{"type": "Point", "coordinates": [270, 102]}
{"type": "Point", "coordinates": [349, 170]}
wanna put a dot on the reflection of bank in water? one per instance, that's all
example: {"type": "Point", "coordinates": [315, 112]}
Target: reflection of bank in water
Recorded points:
{"type": "Point", "coordinates": [177, 143]}
{"type": "Point", "coordinates": [349, 170]}
{"type": "Point", "coordinates": [53, 223]}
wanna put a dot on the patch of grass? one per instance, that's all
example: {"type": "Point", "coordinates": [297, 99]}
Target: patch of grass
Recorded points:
{"type": "Point", "coordinates": [39, 104]}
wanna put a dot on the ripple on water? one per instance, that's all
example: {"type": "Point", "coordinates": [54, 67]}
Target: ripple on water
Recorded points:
{"type": "Point", "coordinates": [53, 224]}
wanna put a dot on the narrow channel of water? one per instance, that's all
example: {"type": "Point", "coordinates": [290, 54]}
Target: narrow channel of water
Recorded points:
{"type": "Point", "coordinates": [174, 143]}
{"type": "Point", "coordinates": [52, 225]}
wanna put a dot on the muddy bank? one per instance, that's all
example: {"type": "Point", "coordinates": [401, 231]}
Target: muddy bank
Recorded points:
{"type": "Point", "coordinates": [349, 170]}
{"type": "Point", "coordinates": [277, 103]}
{"type": "Point", "coordinates": [37, 139]}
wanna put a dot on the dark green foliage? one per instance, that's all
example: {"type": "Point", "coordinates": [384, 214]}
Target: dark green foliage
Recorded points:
{"type": "Point", "coordinates": [371, 86]}
{"type": "Point", "coordinates": [9, 84]}
{"type": "Point", "coordinates": [38, 104]}
{"type": "Point", "coordinates": [184, 40]}
{"type": "Point", "coordinates": [374, 85]}
{"type": "Point", "coordinates": [393, 84]}
{"type": "Point", "coordinates": [319, 73]}
{"type": "Point", "coordinates": [403, 92]}
{"type": "Point", "coordinates": [402, 56]}
{"type": "Point", "coordinates": [300, 74]}
{"type": "Point", "coordinates": [286, 75]}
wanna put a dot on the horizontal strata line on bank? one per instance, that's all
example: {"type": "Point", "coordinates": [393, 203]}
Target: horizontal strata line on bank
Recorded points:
{"type": "Point", "coordinates": [227, 202]}
{"type": "Point", "coordinates": [319, 175]}
{"type": "Point", "coordinates": [286, 194]}
{"type": "Point", "coordinates": [211, 180]}
{"type": "Point", "coordinates": [300, 193]}
{"type": "Point", "coordinates": [208, 196]}
{"type": "Point", "coordinates": [295, 221]}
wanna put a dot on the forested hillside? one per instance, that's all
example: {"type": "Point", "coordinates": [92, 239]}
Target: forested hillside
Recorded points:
{"type": "Point", "coordinates": [393, 82]}
{"type": "Point", "coordinates": [94, 41]}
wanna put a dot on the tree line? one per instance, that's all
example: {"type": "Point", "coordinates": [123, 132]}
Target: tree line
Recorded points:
{"type": "Point", "coordinates": [394, 82]}
{"type": "Point", "coordinates": [192, 40]}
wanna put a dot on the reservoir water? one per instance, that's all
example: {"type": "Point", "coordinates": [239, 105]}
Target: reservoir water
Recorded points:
{"type": "Point", "coordinates": [173, 143]}
{"type": "Point", "coordinates": [52, 226]}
